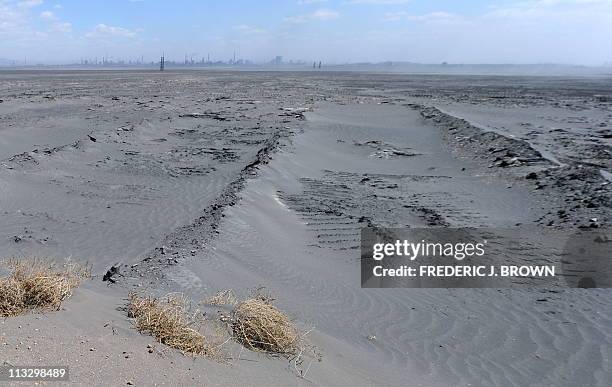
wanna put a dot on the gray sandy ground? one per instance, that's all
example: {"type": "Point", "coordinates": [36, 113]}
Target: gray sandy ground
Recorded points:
{"type": "Point", "coordinates": [200, 182]}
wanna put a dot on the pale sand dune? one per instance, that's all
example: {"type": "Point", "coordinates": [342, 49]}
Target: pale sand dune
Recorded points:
{"type": "Point", "coordinates": [462, 337]}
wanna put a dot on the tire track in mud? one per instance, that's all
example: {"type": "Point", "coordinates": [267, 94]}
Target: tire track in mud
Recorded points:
{"type": "Point", "coordinates": [338, 205]}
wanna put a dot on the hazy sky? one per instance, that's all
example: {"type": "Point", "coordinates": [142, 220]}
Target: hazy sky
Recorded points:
{"type": "Point", "coordinates": [468, 31]}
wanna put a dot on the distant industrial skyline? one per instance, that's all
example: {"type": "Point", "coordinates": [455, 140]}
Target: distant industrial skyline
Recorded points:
{"type": "Point", "coordinates": [332, 31]}
{"type": "Point", "coordinates": [189, 60]}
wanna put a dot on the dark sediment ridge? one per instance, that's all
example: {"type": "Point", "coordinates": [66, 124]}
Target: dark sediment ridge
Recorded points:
{"type": "Point", "coordinates": [188, 240]}
{"type": "Point", "coordinates": [583, 193]}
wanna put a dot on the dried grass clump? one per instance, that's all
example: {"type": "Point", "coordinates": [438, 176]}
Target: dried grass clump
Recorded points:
{"type": "Point", "coordinates": [260, 326]}
{"type": "Point", "coordinates": [167, 320]}
{"type": "Point", "coordinates": [11, 297]}
{"type": "Point", "coordinates": [223, 297]}
{"type": "Point", "coordinates": [38, 285]}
